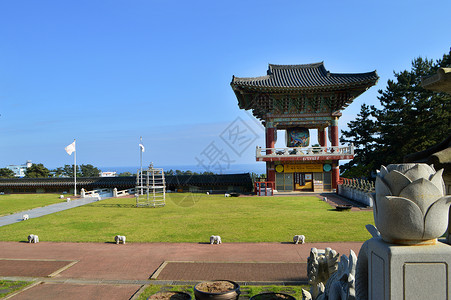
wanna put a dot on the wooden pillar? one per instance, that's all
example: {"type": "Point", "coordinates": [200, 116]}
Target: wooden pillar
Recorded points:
{"type": "Point", "coordinates": [334, 133]}
{"type": "Point", "coordinates": [322, 137]}
{"type": "Point", "coordinates": [335, 174]}
{"type": "Point", "coordinates": [270, 143]}
{"type": "Point", "coordinates": [335, 143]}
{"type": "Point", "coordinates": [270, 137]}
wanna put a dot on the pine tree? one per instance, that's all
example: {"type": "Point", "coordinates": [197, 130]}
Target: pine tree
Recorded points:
{"type": "Point", "coordinates": [37, 171]}
{"type": "Point", "coordinates": [362, 133]}
{"type": "Point", "coordinates": [411, 119]}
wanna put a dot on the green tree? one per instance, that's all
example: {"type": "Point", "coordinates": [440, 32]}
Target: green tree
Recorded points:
{"type": "Point", "coordinates": [37, 171]}
{"type": "Point", "coordinates": [125, 174]}
{"type": "Point", "coordinates": [89, 171]}
{"type": "Point", "coordinates": [58, 172]}
{"type": "Point", "coordinates": [6, 173]}
{"type": "Point", "coordinates": [68, 171]}
{"type": "Point", "coordinates": [411, 119]}
{"type": "Point", "coordinates": [363, 134]}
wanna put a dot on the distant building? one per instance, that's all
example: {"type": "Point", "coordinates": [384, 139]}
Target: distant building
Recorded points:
{"type": "Point", "coordinates": [108, 174]}
{"type": "Point", "coordinates": [19, 170]}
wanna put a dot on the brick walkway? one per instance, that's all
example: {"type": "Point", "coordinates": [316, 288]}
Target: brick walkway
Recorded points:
{"type": "Point", "coordinates": [127, 267]}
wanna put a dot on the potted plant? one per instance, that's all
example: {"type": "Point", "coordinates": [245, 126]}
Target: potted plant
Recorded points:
{"type": "Point", "coordinates": [272, 296]}
{"type": "Point", "coordinates": [170, 296]}
{"type": "Point", "coordinates": [217, 290]}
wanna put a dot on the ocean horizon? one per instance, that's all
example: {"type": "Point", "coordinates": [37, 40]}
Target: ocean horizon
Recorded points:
{"type": "Point", "coordinates": [231, 169]}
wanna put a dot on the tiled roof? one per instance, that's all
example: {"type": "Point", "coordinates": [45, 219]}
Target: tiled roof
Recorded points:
{"type": "Point", "coordinates": [93, 182]}
{"type": "Point", "coordinates": [308, 76]}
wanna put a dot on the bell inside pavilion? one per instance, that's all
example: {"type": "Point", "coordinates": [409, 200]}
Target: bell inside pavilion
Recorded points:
{"type": "Point", "coordinates": [301, 100]}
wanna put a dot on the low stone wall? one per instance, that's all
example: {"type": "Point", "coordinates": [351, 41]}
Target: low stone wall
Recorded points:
{"type": "Point", "coordinates": [357, 190]}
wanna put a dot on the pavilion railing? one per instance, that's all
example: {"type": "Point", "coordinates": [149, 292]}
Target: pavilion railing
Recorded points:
{"type": "Point", "coordinates": [301, 151]}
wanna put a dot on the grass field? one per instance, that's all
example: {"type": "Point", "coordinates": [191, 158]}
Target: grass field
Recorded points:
{"type": "Point", "coordinates": [194, 217]}
{"type": "Point", "coordinates": [7, 287]}
{"type": "Point", "coordinates": [10, 204]}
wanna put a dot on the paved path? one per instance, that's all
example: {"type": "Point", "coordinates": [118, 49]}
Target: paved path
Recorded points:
{"type": "Point", "coordinates": [95, 266]}
{"type": "Point", "coordinates": [46, 210]}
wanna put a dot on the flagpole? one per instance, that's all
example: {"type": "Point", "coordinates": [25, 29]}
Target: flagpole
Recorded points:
{"type": "Point", "coordinates": [141, 162]}
{"type": "Point", "coordinates": [75, 172]}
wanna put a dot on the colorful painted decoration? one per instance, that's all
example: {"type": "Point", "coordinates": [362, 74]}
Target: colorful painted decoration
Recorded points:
{"type": "Point", "coordinates": [297, 137]}
{"type": "Point", "coordinates": [327, 167]}
{"type": "Point", "coordinates": [279, 168]}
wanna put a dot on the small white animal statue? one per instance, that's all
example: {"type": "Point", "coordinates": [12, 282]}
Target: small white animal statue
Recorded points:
{"type": "Point", "coordinates": [25, 217]}
{"type": "Point", "coordinates": [215, 239]}
{"type": "Point", "coordinates": [32, 238]}
{"type": "Point", "coordinates": [299, 239]}
{"type": "Point", "coordinates": [325, 199]}
{"type": "Point", "coordinates": [61, 196]}
{"type": "Point", "coordinates": [119, 239]}
{"type": "Point", "coordinates": [68, 200]}
{"type": "Point", "coordinates": [226, 195]}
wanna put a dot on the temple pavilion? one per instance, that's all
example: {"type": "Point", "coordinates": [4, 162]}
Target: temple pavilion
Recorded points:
{"type": "Point", "coordinates": [302, 100]}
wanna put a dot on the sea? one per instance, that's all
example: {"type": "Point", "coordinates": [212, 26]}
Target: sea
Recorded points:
{"type": "Point", "coordinates": [258, 168]}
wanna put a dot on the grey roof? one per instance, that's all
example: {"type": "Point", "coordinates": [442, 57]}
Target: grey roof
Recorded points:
{"type": "Point", "coordinates": [439, 82]}
{"type": "Point", "coordinates": [242, 179]}
{"type": "Point", "coordinates": [307, 76]}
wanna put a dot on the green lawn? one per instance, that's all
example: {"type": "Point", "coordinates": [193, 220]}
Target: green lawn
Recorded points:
{"type": "Point", "coordinates": [194, 217]}
{"type": "Point", "coordinates": [7, 287]}
{"type": "Point", "coordinates": [10, 204]}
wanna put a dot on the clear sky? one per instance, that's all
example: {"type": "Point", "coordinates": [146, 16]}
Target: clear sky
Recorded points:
{"type": "Point", "coordinates": [107, 72]}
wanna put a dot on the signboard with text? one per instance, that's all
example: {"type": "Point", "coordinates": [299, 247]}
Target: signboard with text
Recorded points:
{"type": "Point", "coordinates": [303, 168]}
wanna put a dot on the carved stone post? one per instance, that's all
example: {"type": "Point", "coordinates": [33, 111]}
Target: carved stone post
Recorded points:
{"type": "Point", "coordinates": [404, 260]}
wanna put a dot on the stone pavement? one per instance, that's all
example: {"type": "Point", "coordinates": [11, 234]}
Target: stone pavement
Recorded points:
{"type": "Point", "coordinates": [46, 210]}
{"type": "Point", "coordinates": [110, 271]}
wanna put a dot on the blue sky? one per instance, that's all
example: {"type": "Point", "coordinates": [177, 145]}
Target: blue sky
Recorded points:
{"type": "Point", "coordinates": [107, 72]}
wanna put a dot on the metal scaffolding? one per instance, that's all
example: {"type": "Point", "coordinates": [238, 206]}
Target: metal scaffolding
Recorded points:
{"type": "Point", "coordinates": [150, 188]}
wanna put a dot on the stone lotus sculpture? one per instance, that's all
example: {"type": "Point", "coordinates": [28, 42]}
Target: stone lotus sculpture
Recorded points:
{"type": "Point", "coordinates": [410, 205]}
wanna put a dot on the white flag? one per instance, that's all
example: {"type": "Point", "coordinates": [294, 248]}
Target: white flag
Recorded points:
{"type": "Point", "coordinates": [142, 147]}
{"type": "Point", "coordinates": [70, 148]}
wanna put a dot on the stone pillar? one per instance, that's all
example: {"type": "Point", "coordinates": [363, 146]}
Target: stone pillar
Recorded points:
{"type": "Point", "coordinates": [448, 232]}
{"type": "Point", "coordinates": [408, 272]}
{"type": "Point", "coordinates": [404, 260]}
{"type": "Point", "coordinates": [322, 137]}
{"type": "Point", "coordinates": [115, 192]}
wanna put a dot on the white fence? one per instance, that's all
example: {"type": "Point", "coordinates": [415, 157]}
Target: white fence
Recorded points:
{"type": "Point", "coordinates": [107, 193]}
{"type": "Point", "coordinates": [361, 191]}
{"type": "Point", "coordinates": [122, 193]}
